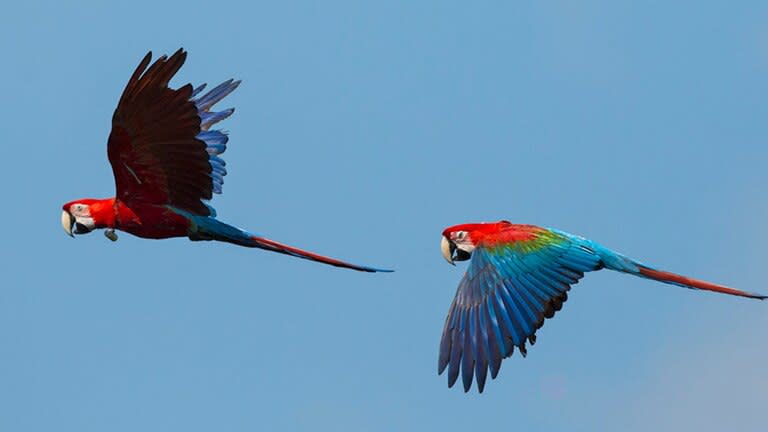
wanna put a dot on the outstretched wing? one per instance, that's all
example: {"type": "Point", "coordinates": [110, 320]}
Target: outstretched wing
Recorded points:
{"type": "Point", "coordinates": [504, 297]}
{"type": "Point", "coordinates": [161, 149]}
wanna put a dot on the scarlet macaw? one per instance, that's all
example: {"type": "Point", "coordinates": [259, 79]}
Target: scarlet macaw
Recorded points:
{"type": "Point", "coordinates": [519, 275]}
{"type": "Point", "coordinates": [165, 159]}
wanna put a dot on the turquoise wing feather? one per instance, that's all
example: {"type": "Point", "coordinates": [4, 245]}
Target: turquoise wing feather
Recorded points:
{"type": "Point", "coordinates": [506, 294]}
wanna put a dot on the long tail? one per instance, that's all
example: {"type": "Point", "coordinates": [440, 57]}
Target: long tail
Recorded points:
{"type": "Point", "coordinates": [209, 228]}
{"type": "Point", "coordinates": [615, 261]}
{"type": "Point", "coordinates": [683, 281]}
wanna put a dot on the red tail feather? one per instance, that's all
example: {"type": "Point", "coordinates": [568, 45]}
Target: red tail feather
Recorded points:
{"type": "Point", "coordinates": [272, 245]}
{"type": "Point", "coordinates": [677, 279]}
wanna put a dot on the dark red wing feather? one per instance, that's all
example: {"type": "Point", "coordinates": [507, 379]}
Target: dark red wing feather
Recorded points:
{"type": "Point", "coordinates": [155, 156]}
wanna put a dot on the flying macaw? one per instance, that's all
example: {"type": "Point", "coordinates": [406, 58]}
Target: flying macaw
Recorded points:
{"type": "Point", "coordinates": [519, 275]}
{"type": "Point", "coordinates": [165, 159]}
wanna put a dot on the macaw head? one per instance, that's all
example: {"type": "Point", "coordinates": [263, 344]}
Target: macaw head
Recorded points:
{"type": "Point", "coordinates": [459, 241]}
{"type": "Point", "coordinates": [77, 215]}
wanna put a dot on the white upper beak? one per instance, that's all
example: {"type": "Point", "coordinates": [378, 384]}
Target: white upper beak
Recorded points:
{"type": "Point", "coordinates": [445, 247]}
{"type": "Point", "coordinates": [67, 222]}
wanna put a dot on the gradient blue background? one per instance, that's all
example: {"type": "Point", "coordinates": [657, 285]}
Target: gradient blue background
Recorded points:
{"type": "Point", "coordinates": [361, 131]}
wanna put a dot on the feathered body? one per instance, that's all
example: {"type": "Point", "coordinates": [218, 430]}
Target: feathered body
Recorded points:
{"type": "Point", "coordinates": [518, 276]}
{"type": "Point", "coordinates": [166, 161]}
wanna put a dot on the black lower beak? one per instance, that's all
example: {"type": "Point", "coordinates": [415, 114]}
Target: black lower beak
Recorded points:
{"type": "Point", "coordinates": [460, 255]}
{"type": "Point", "coordinates": [81, 229]}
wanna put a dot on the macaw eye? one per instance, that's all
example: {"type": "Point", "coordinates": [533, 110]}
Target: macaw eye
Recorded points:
{"type": "Point", "coordinates": [460, 235]}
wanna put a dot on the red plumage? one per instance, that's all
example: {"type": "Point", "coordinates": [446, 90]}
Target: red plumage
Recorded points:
{"type": "Point", "coordinates": [165, 162]}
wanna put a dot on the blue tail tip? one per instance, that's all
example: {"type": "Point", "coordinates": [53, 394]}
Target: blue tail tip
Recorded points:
{"type": "Point", "coordinates": [377, 270]}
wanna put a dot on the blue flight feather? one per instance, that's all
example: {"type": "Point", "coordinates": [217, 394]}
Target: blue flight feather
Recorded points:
{"type": "Point", "coordinates": [504, 298]}
{"type": "Point", "coordinates": [205, 102]}
{"type": "Point", "coordinates": [215, 140]}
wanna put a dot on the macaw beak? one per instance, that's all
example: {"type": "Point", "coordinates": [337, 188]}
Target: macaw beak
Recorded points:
{"type": "Point", "coordinates": [448, 248]}
{"type": "Point", "coordinates": [67, 222]}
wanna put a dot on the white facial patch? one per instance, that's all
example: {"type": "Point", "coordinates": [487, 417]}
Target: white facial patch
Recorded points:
{"type": "Point", "coordinates": [82, 215]}
{"type": "Point", "coordinates": [462, 241]}
{"type": "Point", "coordinates": [86, 222]}
{"type": "Point", "coordinates": [80, 210]}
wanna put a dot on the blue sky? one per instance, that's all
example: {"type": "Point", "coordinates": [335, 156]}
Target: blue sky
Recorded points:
{"type": "Point", "coordinates": [361, 131]}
